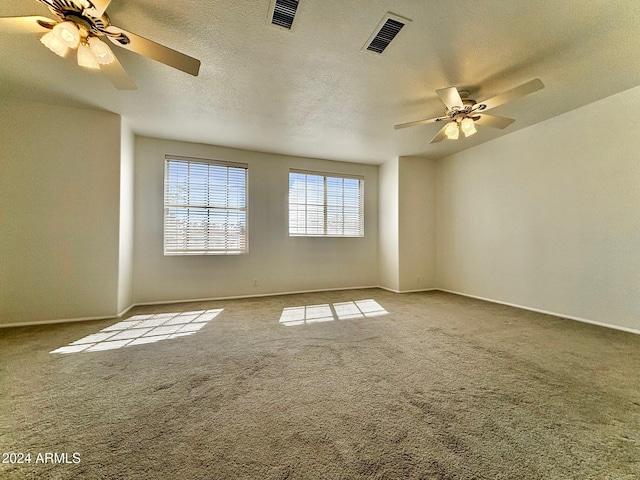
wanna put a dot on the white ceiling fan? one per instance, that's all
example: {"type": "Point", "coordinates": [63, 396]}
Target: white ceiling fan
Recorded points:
{"type": "Point", "coordinates": [80, 25]}
{"type": "Point", "coordinates": [463, 114]}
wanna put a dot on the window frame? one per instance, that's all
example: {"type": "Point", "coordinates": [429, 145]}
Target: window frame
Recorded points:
{"type": "Point", "coordinates": [326, 206]}
{"type": "Point", "coordinates": [167, 206]}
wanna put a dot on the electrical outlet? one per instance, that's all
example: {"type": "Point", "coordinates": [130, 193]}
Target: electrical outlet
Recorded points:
{"type": "Point", "coordinates": [255, 282]}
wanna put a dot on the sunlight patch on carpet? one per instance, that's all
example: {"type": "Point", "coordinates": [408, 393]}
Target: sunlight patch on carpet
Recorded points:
{"type": "Point", "coordinates": [292, 316]}
{"type": "Point", "coordinates": [142, 329]}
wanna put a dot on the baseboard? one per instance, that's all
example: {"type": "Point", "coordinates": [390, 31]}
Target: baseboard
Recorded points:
{"type": "Point", "coordinates": [66, 320]}
{"type": "Point", "coordinates": [406, 291]}
{"type": "Point", "coordinates": [546, 312]}
{"type": "Point", "coordinates": [124, 312]}
{"type": "Point", "coordinates": [55, 321]}
{"type": "Point", "coordinates": [169, 302]}
{"type": "Point", "coordinates": [238, 297]}
{"type": "Point", "coordinates": [258, 295]}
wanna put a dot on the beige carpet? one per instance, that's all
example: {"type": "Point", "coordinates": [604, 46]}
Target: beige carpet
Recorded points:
{"type": "Point", "coordinates": [441, 387]}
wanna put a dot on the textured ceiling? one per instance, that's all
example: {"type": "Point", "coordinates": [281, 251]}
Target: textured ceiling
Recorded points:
{"type": "Point", "coordinates": [313, 92]}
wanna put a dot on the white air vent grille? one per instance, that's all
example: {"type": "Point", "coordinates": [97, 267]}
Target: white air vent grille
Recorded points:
{"type": "Point", "coordinates": [284, 12]}
{"type": "Point", "coordinates": [386, 31]}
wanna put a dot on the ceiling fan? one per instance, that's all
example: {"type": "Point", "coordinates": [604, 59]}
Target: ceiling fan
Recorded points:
{"type": "Point", "coordinates": [463, 114]}
{"type": "Point", "coordinates": [80, 24]}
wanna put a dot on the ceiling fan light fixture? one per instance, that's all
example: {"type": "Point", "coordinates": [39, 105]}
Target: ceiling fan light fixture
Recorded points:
{"type": "Point", "coordinates": [67, 33]}
{"type": "Point", "coordinates": [468, 127]}
{"type": "Point", "coordinates": [101, 51]}
{"type": "Point", "coordinates": [77, 21]}
{"type": "Point", "coordinates": [86, 58]}
{"type": "Point", "coordinates": [53, 43]}
{"type": "Point", "coordinates": [451, 131]}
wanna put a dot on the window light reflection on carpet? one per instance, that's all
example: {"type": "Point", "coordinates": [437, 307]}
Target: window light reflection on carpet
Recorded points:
{"type": "Point", "coordinates": [142, 329]}
{"type": "Point", "coordinates": [325, 313]}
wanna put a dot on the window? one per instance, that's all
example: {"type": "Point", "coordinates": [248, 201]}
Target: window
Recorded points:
{"type": "Point", "coordinates": [205, 207]}
{"type": "Point", "coordinates": [325, 205]}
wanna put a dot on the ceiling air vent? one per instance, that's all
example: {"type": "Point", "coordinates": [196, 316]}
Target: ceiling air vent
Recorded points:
{"type": "Point", "coordinates": [386, 31]}
{"type": "Point", "coordinates": [283, 12]}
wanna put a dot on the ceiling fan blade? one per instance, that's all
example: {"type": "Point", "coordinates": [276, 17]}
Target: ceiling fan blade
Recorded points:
{"type": "Point", "coordinates": [440, 135]}
{"type": "Point", "coordinates": [421, 122]}
{"type": "Point", "coordinates": [493, 121]}
{"type": "Point", "coordinates": [154, 50]}
{"type": "Point", "coordinates": [513, 94]}
{"type": "Point", "coordinates": [118, 76]}
{"type": "Point", "coordinates": [25, 24]}
{"type": "Point", "coordinates": [450, 97]}
{"type": "Point", "coordinates": [99, 6]}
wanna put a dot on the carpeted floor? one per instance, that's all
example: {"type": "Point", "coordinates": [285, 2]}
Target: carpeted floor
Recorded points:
{"type": "Point", "coordinates": [440, 387]}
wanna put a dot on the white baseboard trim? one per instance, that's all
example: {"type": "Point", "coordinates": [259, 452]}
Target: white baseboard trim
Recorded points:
{"type": "Point", "coordinates": [388, 289]}
{"type": "Point", "coordinates": [407, 291]}
{"type": "Point", "coordinates": [546, 312]}
{"type": "Point", "coordinates": [239, 297]}
{"type": "Point", "coordinates": [124, 312]}
{"type": "Point", "coordinates": [56, 321]}
{"type": "Point", "coordinates": [420, 290]}
{"type": "Point", "coordinates": [168, 302]}
{"type": "Point", "coordinates": [258, 295]}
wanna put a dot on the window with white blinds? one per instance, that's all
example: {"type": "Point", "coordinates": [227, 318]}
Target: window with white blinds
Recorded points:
{"type": "Point", "coordinates": [325, 205]}
{"type": "Point", "coordinates": [205, 207]}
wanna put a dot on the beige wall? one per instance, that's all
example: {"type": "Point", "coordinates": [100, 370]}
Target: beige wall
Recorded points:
{"type": "Point", "coordinates": [278, 262]}
{"type": "Point", "coordinates": [417, 223]}
{"type": "Point", "coordinates": [407, 214]}
{"type": "Point", "coordinates": [125, 263]}
{"type": "Point", "coordinates": [59, 196]}
{"type": "Point", "coordinates": [389, 253]}
{"type": "Point", "coordinates": [548, 217]}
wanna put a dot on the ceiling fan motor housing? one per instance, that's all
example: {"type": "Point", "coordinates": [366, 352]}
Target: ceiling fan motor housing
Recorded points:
{"type": "Point", "coordinates": [466, 110]}
{"type": "Point", "coordinates": [79, 13]}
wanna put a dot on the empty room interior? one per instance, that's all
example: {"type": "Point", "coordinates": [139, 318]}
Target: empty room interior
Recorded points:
{"type": "Point", "coordinates": [301, 239]}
